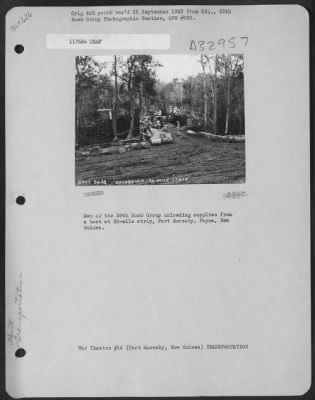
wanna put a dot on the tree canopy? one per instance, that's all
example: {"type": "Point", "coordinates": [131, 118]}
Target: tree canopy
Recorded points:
{"type": "Point", "coordinates": [129, 87]}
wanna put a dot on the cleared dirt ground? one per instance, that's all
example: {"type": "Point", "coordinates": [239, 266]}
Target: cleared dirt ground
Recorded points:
{"type": "Point", "coordinates": [190, 159]}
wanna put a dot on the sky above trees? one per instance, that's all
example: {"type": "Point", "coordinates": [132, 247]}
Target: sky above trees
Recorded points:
{"type": "Point", "coordinates": [178, 66]}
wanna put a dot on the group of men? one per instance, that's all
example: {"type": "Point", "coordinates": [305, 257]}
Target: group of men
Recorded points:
{"type": "Point", "coordinates": [146, 125]}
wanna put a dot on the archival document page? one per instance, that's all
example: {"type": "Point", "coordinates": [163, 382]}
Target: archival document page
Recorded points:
{"type": "Point", "coordinates": [157, 201]}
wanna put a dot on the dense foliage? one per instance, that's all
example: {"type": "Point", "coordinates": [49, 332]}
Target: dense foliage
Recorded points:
{"type": "Point", "coordinates": [112, 95]}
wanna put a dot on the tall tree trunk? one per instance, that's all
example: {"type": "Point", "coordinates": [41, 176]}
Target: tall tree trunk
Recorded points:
{"type": "Point", "coordinates": [131, 106]}
{"type": "Point", "coordinates": [228, 93]}
{"type": "Point", "coordinates": [205, 100]}
{"type": "Point", "coordinates": [77, 116]}
{"type": "Point", "coordinates": [215, 94]}
{"type": "Point", "coordinates": [78, 106]}
{"type": "Point", "coordinates": [181, 95]}
{"type": "Point", "coordinates": [115, 108]}
{"type": "Point", "coordinates": [132, 119]}
{"type": "Point", "coordinates": [78, 128]}
{"type": "Point", "coordinates": [141, 98]}
{"type": "Point", "coordinates": [205, 96]}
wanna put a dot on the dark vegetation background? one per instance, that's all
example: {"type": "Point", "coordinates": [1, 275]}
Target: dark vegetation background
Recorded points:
{"type": "Point", "coordinates": [112, 96]}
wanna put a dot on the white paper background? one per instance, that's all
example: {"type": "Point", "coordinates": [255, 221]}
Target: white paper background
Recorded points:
{"type": "Point", "coordinates": [244, 282]}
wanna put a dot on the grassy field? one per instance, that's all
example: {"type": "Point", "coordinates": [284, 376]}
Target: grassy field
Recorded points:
{"type": "Point", "coordinates": [190, 159]}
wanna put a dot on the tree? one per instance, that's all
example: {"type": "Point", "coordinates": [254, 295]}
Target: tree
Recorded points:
{"type": "Point", "coordinates": [212, 63]}
{"type": "Point", "coordinates": [131, 63]}
{"type": "Point", "coordinates": [233, 73]}
{"type": "Point", "coordinates": [116, 98]}
{"type": "Point", "coordinates": [203, 62]}
{"type": "Point", "coordinates": [87, 72]}
{"type": "Point", "coordinates": [237, 93]}
{"type": "Point", "coordinates": [139, 75]}
{"type": "Point", "coordinates": [228, 92]}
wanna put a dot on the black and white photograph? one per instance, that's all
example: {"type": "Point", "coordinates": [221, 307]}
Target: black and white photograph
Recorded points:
{"type": "Point", "coordinates": [159, 119]}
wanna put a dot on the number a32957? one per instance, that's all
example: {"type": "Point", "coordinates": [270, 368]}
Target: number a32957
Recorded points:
{"type": "Point", "coordinates": [210, 45]}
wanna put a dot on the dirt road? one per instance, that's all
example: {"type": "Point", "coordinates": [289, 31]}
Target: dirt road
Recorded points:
{"type": "Point", "coordinates": [190, 159]}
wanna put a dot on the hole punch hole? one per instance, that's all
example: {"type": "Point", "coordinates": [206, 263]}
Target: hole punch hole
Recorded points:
{"type": "Point", "coordinates": [19, 48]}
{"type": "Point", "coordinates": [20, 200]}
{"type": "Point", "coordinates": [20, 353]}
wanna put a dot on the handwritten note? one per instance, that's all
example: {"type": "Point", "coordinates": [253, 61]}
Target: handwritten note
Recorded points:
{"type": "Point", "coordinates": [22, 20]}
{"type": "Point", "coordinates": [209, 45]}
{"type": "Point", "coordinates": [14, 325]}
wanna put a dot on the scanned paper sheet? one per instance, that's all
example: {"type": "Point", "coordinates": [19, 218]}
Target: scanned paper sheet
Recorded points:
{"type": "Point", "coordinates": [157, 226]}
